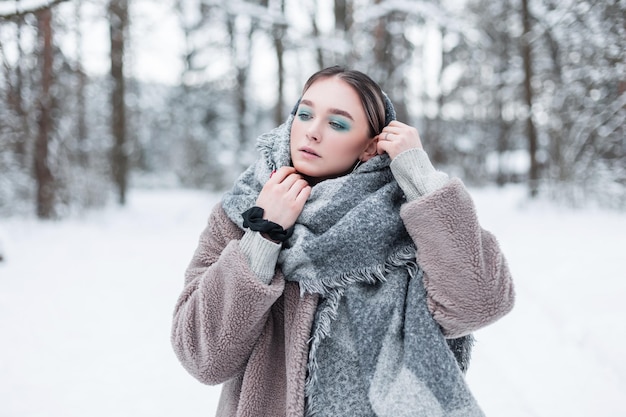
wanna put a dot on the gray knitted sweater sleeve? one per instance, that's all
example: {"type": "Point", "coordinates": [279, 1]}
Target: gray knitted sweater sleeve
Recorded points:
{"type": "Point", "coordinates": [261, 253]}
{"type": "Point", "coordinates": [416, 175]}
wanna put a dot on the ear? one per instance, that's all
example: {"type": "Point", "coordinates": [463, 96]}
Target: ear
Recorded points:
{"type": "Point", "coordinates": [370, 151]}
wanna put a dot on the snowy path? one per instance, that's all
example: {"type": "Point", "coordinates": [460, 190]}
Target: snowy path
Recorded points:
{"type": "Point", "coordinates": [560, 352]}
{"type": "Point", "coordinates": [85, 311]}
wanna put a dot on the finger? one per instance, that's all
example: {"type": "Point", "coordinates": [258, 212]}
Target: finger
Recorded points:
{"type": "Point", "coordinates": [290, 180]}
{"type": "Point", "coordinates": [389, 136]}
{"type": "Point", "coordinates": [381, 147]}
{"type": "Point", "coordinates": [297, 188]}
{"type": "Point", "coordinates": [292, 187]}
{"type": "Point", "coordinates": [382, 136]}
{"type": "Point", "coordinates": [281, 173]}
{"type": "Point", "coordinates": [303, 195]}
{"type": "Point", "coordinates": [393, 130]}
{"type": "Point", "coordinates": [394, 124]}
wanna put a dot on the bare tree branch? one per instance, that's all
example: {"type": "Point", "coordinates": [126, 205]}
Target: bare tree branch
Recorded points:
{"type": "Point", "coordinates": [18, 14]}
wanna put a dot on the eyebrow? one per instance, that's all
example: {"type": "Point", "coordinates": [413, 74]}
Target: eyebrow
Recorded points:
{"type": "Point", "coordinates": [333, 111]}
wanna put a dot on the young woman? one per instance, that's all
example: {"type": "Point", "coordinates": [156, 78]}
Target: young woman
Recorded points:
{"type": "Point", "coordinates": [342, 275]}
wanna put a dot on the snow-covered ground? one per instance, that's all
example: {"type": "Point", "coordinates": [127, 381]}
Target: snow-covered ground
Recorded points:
{"type": "Point", "coordinates": [86, 304]}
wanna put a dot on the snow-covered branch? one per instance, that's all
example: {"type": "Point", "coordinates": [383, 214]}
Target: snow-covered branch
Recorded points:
{"type": "Point", "coordinates": [17, 9]}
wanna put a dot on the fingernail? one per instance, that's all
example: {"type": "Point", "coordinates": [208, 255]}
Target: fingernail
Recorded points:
{"type": "Point", "coordinates": [272, 173]}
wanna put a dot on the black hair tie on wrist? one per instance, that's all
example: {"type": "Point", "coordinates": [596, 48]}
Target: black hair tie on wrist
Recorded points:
{"type": "Point", "coordinates": [253, 219]}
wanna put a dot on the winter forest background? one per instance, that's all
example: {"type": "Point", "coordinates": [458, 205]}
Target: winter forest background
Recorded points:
{"type": "Point", "coordinates": [123, 121]}
{"type": "Point", "coordinates": [98, 96]}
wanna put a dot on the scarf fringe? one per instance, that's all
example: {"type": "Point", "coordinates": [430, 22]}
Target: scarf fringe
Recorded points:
{"type": "Point", "coordinates": [266, 143]}
{"type": "Point", "coordinates": [333, 290]}
{"type": "Point", "coordinates": [370, 275]}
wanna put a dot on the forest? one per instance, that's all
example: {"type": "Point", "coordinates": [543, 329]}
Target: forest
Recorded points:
{"type": "Point", "coordinates": [531, 92]}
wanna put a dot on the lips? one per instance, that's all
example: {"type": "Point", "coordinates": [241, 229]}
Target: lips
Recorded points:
{"type": "Point", "coordinates": [309, 151]}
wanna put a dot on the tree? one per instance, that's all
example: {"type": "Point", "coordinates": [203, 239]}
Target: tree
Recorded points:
{"type": "Point", "coordinates": [43, 175]}
{"type": "Point", "coordinates": [81, 86]}
{"type": "Point", "coordinates": [15, 86]}
{"type": "Point", "coordinates": [35, 111]}
{"type": "Point", "coordinates": [316, 34]}
{"type": "Point", "coordinates": [492, 86]}
{"type": "Point", "coordinates": [531, 131]}
{"type": "Point", "coordinates": [279, 28]}
{"type": "Point", "coordinates": [118, 23]}
{"type": "Point", "coordinates": [583, 50]}
{"type": "Point", "coordinates": [241, 31]}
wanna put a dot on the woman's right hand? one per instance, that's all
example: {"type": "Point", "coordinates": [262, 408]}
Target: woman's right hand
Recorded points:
{"type": "Point", "coordinates": [283, 196]}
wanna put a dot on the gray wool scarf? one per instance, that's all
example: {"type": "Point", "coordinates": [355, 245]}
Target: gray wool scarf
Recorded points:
{"type": "Point", "coordinates": [375, 349]}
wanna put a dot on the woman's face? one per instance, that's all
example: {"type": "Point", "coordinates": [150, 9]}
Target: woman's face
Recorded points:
{"type": "Point", "coordinates": [330, 131]}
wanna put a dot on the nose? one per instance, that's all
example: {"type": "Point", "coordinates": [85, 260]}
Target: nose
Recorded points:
{"type": "Point", "coordinates": [314, 132]}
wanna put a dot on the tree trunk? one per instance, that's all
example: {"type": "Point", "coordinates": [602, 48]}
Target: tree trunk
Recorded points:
{"type": "Point", "coordinates": [319, 53]}
{"type": "Point", "coordinates": [16, 99]}
{"type": "Point", "coordinates": [118, 21]}
{"type": "Point", "coordinates": [280, 102]}
{"type": "Point", "coordinates": [383, 61]}
{"type": "Point", "coordinates": [241, 53]}
{"type": "Point", "coordinates": [81, 122]}
{"type": "Point", "coordinates": [343, 16]}
{"type": "Point", "coordinates": [278, 34]}
{"type": "Point", "coordinates": [43, 175]}
{"type": "Point", "coordinates": [342, 10]}
{"type": "Point", "coordinates": [533, 174]}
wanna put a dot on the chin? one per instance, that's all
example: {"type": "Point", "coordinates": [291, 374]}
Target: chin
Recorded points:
{"type": "Point", "coordinates": [308, 174]}
{"type": "Point", "coordinates": [302, 169]}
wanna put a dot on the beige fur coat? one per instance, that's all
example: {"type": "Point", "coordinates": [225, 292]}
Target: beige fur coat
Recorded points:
{"type": "Point", "coordinates": [231, 329]}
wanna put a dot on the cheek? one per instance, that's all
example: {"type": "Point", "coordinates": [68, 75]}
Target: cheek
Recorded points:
{"type": "Point", "coordinates": [352, 147]}
{"type": "Point", "coordinates": [345, 150]}
{"type": "Point", "coordinates": [293, 133]}
{"type": "Point", "coordinates": [298, 128]}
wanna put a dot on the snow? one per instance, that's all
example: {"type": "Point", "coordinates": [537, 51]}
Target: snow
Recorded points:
{"type": "Point", "coordinates": [8, 8]}
{"type": "Point", "coordinates": [86, 304]}
{"type": "Point", "coordinates": [559, 353]}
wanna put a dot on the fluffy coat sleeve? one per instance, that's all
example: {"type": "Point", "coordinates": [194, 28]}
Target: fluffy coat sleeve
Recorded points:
{"type": "Point", "coordinates": [465, 273]}
{"type": "Point", "coordinates": [224, 308]}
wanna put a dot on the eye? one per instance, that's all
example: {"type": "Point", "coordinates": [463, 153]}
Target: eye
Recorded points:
{"type": "Point", "coordinates": [304, 115]}
{"type": "Point", "coordinates": [339, 125]}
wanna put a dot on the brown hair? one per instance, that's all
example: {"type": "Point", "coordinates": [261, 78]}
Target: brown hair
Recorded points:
{"type": "Point", "coordinates": [369, 92]}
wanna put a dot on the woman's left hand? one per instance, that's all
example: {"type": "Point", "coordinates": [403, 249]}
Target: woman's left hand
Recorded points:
{"type": "Point", "coordinates": [396, 138]}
